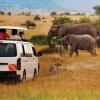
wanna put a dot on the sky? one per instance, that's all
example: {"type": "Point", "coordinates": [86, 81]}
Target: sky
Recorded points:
{"type": "Point", "coordinates": [80, 5]}
{"type": "Point", "coordinates": [68, 5]}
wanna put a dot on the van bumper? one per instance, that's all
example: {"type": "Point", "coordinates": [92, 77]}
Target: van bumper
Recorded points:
{"type": "Point", "coordinates": [8, 75]}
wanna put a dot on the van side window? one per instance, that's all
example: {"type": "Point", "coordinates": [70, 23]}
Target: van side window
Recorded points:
{"type": "Point", "coordinates": [27, 52]}
{"type": "Point", "coordinates": [23, 50]}
{"type": "Point", "coordinates": [34, 51]}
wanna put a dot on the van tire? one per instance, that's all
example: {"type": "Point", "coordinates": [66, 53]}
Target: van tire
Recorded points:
{"type": "Point", "coordinates": [35, 75]}
{"type": "Point", "coordinates": [24, 76]}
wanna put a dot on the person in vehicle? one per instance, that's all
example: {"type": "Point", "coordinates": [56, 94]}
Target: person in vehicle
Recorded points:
{"type": "Point", "coordinates": [21, 34]}
{"type": "Point", "coordinates": [14, 35]}
{"type": "Point", "coordinates": [3, 34]}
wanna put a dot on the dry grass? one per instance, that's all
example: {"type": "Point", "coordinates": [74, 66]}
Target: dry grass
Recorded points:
{"type": "Point", "coordinates": [76, 80]}
{"type": "Point", "coordinates": [78, 77]}
{"type": "Point", "coordinates": [15, 20]}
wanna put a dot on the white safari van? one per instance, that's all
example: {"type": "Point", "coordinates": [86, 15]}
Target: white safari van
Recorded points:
{"type": "Point", "coordinates": [18, 60]}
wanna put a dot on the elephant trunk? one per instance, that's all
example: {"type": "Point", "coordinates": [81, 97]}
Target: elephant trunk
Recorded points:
{"type": "Point", "coordinates": [50, 40]}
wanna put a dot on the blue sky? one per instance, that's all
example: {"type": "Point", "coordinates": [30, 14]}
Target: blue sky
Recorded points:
{"type": "Point", "coordinates": [71, 5]}
{"type": "Point", "coordinates": [83, 5]}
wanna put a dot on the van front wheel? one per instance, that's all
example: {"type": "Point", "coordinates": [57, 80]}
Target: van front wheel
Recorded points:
{"type": "Point", "coordinates": [35, 75]}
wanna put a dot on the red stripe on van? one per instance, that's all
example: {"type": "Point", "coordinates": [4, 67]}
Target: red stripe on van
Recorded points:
{"type": "Point", "coordinates": [12, 67]}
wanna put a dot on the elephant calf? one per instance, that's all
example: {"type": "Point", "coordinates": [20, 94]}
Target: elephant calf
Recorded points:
{"type": "Point", "coordinates": [82, 42]}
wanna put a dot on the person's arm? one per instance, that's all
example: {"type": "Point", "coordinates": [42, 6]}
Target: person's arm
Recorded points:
{"type": "Point", "coordinates": [7, 36]}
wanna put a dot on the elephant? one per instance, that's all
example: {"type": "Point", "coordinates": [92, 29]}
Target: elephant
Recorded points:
{"type": "Point", "coordinates": [80, 42]}
{"type": "Point", "coordinates": [66, 29]}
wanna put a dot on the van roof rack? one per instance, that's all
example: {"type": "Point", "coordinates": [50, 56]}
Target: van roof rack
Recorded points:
{"type": "Point", "coordinates": [24, 40]}
{"type": "Point", "coordinates": [13, 27]}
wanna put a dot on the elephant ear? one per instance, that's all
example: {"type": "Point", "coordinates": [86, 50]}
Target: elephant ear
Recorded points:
{"type": "Point", "coordinates": [72, 39]}
{"type": "Point", "coordinates": [69, 39]}
{"type": "Point", "coordinates": [57, 26]}
{"type": "Point", "coordinates": [64, 39]}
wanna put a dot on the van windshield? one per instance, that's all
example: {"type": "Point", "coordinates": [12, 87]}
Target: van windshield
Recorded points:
{"type": "Point", "coordinates": [8, 50]}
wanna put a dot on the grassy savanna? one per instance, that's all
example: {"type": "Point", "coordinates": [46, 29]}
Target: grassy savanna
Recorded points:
{"type": "Point", "coordinates": [77, 79]}
{"type": "Point", "coordinates": [16, 20]}
{"type": "Point", "coordinates": [42, 26]}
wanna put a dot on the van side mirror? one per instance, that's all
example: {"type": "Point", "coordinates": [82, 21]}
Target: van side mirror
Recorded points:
{"type": "Point", "coordinates": [38, 54]}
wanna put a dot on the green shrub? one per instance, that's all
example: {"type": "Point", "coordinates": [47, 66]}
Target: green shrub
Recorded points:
{"type": "Point", "coordinates": [39, 39]}
{"type": "Point", "coordinates": [84, 20]}
{"type": "Point", "coordinates": [2, 13]}
{"type": "Point", "coordinates": [65, 13]}
{"type": "Point", "coordinates": [97, 23]}
{"type": "Point", "coordinates": [53, 13]}
{"type": "Point", "coordinates": [48, 50]}
{"type": "Point", "coordinates": [97, 9]}
{"type": "Point", "coordinates": [80, 14]}
{"type": "Point", "coordinates": [76, 21]}
{"type": "Point", "coordinates": [37, 17]}
{"type": "Point", "coordinates": [42, 40]}
{"type": "Point", "coordinates": [29, 24]}
{"type": "Point", "coordinates": [62, 20]}
{"type": "Point", "coordinates": [9, 13]}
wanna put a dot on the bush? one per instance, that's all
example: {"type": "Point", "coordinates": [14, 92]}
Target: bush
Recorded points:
{"type": "Point", "coordinates": [61, 20]}
{"type": "Point", "coordinates": [53, 13]}
{"type": "Point", "coordinates": [43, 18]}
{"type": "Point", "coordinates": [29, 24]}
{"type": "Point", "coordinates": [40, 40]}
{"type": "Point", "coordinates": [37, 17]}
{"type": "Point", "coordinates": [65, 13]}
{"type": "Point", "coordinates": [9, 13]}
{"type": "Point", "coordinates": [48, 50]}
{"type": "Point", "coordinates": [80, 14]}
{"type": "Point", "coordinates": [2, 13]}
{"type": "Point", "coordinates": [97, 23]}
{"type": "Point", "coordinates": [84, 20]}
{"type": "Point", "coordinates": [97, 9]}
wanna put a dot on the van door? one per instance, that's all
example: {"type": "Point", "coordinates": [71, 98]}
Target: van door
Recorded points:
{"type": "Point", "coordinates": [35, 58]}
{"type": "Point", "coordinates": [28, 62]}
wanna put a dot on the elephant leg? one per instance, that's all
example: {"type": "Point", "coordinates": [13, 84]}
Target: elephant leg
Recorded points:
{"type": "Point", "coordinates": [90, 51]}
{"type": "Point", "coordinates": [71, 51]}
{"type": "Point", "coordinates": [65, 47]}
{"type": "Point", "coordinates": [77, 53]}
{"type": "Point", "coordinates": [94, 53]}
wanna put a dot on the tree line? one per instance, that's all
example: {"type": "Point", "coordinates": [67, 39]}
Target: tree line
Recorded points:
{"type": "Point", "coordinates": [53, 13]}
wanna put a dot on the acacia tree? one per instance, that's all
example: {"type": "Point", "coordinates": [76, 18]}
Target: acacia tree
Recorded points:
{"type": "Point", "coordinates": [53, 13]}
{"type": "Point", "coordinates": [29, 24]}
{"type": "Point", "coordinates": [97, 9]}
